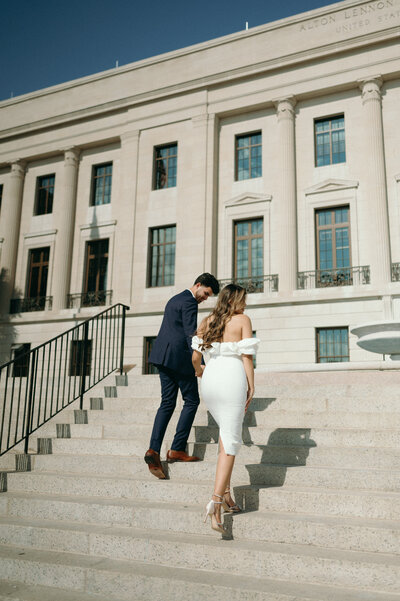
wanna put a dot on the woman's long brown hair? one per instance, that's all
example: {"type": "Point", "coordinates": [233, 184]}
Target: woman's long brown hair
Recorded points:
{"type": "Point", "coordinates": [229, 299]}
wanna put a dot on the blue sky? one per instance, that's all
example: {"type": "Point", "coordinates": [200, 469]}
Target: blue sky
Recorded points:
{"type": "Point", "coordinates": [46, 42]}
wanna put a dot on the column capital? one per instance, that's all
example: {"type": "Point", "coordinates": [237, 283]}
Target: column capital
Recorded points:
{"type": "Point", "coordinates": [371, 88]}
{"type": "Point", "coordinates": [71, 155]}
{"type": "Point", "coordinates": [18, 168]}
{"type": "Point", "coordinates": [285, 107]}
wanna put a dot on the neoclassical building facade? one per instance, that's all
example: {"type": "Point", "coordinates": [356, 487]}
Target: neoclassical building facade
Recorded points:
{"type": "Point", "coordinates": [270, 157]}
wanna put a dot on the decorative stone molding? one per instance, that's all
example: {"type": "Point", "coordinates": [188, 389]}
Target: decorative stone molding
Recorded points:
{"type": "Point", "coordinates": [71, 156]}
{"type": "Point", "coordinates": [285, 107]}
{"type": "Point", "coordinates": [371, 89]}
{"type": "Point", "coordinates": [18, 169]}
{"type": "Point", "coordinates": [247, 198]}
{"type": "Point", "coordinates": [39, 234]}
{"type": "Point", "coordinates": [127, 136]}
{"type": "Point", "coordinates": [331, 185]}
{"type": "Point", "coordinates": [91, 226]}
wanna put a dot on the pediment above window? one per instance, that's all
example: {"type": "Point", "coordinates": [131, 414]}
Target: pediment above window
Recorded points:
{"type": "Point", "coordinates": [247, 198]}
{"type": "Point", "coordinates": [332, 185]}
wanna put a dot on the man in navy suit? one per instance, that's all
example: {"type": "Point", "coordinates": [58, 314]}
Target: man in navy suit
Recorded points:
{"type": "Point", "coordinates": [172, 355]}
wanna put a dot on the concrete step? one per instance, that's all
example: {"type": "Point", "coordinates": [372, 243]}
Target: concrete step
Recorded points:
{"type": "Point", "coordinates": [347, 503]}
{"type": "Point", "coordinates": [271, 418]}
{"type": "Point", "coordinates": [136, 580]}
{"type": "Point", "coordinates": [274, 454]}
{"type": "Point", "coordinates": [125, 400]}
{"type": "Point", "coordinates": [13, 591]}
{"type": "Point", "coordinates": [313, 501]}
{"type": "Point", "coordinates": [255, 474]}
{"type": "Point", "coordinates": [356, 457]}
{"type": "Point", "coordinates": [358, 534]}
{"type": "Point", "coordinates": [305, 563]}
{"type": "Point", "coordinates": [264, 474]}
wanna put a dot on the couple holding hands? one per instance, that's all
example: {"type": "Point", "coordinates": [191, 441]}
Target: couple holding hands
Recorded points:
{"type": "Point", "coordinates": [224, 338]}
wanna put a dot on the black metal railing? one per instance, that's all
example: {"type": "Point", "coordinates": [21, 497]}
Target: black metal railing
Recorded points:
{"type": "Point", "coordinates": [329, 278]}
{"type": "Point", "coordinates": [57, 373]}
{"type": "Point", "coordinates": [258, 283]}
{"type": "Point", "coordinates": [36, 303]}
{"type": "Point", "coordinates": [89, 299]}
{"type": "Point", "coordinates": [395, 272]}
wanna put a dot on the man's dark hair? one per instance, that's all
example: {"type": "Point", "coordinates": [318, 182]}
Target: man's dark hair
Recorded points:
{"type": "Point", "coordinates": [208, 280]}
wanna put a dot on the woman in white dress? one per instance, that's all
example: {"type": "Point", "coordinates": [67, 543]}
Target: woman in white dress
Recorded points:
{"type": "Point", "coordinates": [226, 340]}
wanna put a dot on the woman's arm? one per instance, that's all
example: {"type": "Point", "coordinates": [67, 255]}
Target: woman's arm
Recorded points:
{"type": "Point", "coordinates": [196, 355]}
{"type": "Point", "coordinates": [247, 332]}
{"type": "Point", "coordinates": [196, 360]}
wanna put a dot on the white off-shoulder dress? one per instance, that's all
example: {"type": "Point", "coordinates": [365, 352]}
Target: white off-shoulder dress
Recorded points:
{"type": "Point", "coordinates": [224, 386]}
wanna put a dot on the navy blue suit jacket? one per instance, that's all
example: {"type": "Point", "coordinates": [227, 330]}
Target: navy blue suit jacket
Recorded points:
{"type": "Point", "coordinates": [173, 345]}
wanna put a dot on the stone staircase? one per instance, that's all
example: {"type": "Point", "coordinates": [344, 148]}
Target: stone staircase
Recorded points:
{"type": "Point", "coordinates": [318, 476]}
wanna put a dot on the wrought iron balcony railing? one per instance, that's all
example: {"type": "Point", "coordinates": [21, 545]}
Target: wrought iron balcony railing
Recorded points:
{"type": "Point", "coordinates": [330, 278]}
{"type": "Point", "coordinates": [259, 283]}
{"type": "Point", "coordinates": [395, 272]}
{"type": "Point", "coordinates": [36, 303]}
{"type": "Point", "coordinates": [89, 299]}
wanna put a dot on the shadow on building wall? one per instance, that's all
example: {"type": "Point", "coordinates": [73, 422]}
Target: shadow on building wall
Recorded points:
{"type": "Point", "coordinates": [8, 332]}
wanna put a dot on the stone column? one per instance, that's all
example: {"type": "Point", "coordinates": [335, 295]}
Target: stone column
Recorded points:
{"type": "Point", "coordinates": [10, 227]}
{"type": "Point", "coordinates": [206, 132]}
{"type": "Point", "coordinates": [287, 202]}
{"type": "Point", "coordinates": [380, 260]}
{"type": "Point", "coordinates": [126, 217]}
{"type": "Point", "coordinates": [65, 230]}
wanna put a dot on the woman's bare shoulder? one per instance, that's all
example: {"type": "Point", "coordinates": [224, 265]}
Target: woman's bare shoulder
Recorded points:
{"type": "Point", "coordinates": [241, 318]}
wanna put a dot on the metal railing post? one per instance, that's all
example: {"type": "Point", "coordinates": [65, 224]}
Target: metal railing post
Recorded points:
{"type": "Point", "coordinates": [84, 357]}
{"type": "Point", "coordinates": [121, 362]}
{"type": "Point", "coordinates": [30, 401]}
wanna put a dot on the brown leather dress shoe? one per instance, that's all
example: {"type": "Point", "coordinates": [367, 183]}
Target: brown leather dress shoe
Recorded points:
{"type": "Point", "coordinates": [152, 458]}
{"type": "Point", "coordinates": [173, 456]}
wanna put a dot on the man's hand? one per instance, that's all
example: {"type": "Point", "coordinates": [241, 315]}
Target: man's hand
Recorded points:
{"type": "Point", "coordinates": [200, 371]}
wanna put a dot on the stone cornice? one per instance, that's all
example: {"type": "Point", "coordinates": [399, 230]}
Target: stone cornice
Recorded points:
{"type": "Point", "coordinates": [312, 52]}
{"type": "Point", "coordinates": [254, 31]}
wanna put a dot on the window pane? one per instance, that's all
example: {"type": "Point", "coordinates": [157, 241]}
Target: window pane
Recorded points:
{"type": "Point", "coordinates": [332, 345]}
{"type": "Point", "coordinates": [257, 226]}
{"type": "Point", "coordinates": [242, 228]}
{"type": "Point", "coordinates": [165, 166]}
{"type": "Point", "coordinates": [162, 257]}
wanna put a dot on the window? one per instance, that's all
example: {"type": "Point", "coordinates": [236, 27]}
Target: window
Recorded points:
{"type": "Point", "coordinates": [333, 246]}
{"type": "Point", "coordinates": [21, 358]}
{"type": "Point", "coordinates": [162, 256]}
{"type": "Point", "coordinates": [248, 156]}
{"type": "Point", "coordinates": [1, 194]}
{"type": "Point", "coordinates": [329, 141]}
{"type": "Point", "coordinates": [77, 355]}
{"type": "Point", "coordinates": [248, 254]}
{"type": "Point", "coordinates": [44, 194]}
{"type": "Point", "coordinates": [95, 282]}
{"type": "Point", "coordinates": [101, 184]}
{"type": "Point", "coordinates": [148, 368]}
{"type": "Point", "coordinates": [38, 268]}
{"type": "Point", "coordinates": [332, 345]}
{"type": "Point", "coordinates": [165, 166]}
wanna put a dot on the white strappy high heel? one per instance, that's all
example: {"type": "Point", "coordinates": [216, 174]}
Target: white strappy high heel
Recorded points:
{"type": "Point", "coordinates": [210, 511]}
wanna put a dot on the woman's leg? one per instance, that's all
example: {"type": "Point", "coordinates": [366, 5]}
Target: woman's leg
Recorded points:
{"type": "Point", "coordinates": [223, 474]}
